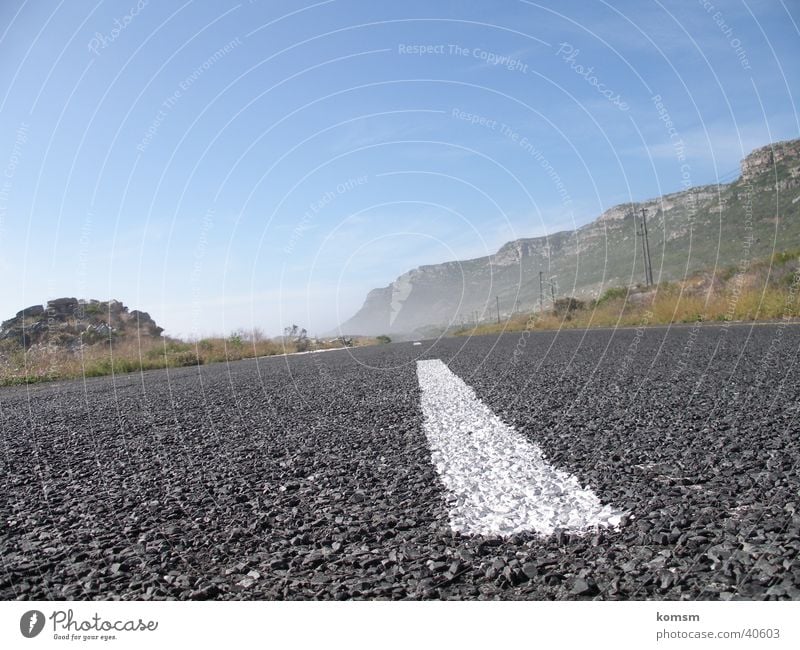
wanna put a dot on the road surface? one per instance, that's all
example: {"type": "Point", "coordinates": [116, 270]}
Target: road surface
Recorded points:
{"type": "Point", "coordinates": [637, 464]}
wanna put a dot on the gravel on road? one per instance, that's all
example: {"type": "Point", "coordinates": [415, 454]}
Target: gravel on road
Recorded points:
{"type": "Point", "coordinates": [311, 477]}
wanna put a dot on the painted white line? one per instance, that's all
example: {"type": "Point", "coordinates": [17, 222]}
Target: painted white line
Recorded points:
{"type": "Point", "coordinates": [498, 482]}
{"type": "Point", "coordinates": [294, 354]}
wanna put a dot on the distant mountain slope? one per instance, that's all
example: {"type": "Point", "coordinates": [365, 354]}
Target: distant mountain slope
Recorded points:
{"type": "Point", "coordinates": [688, 231]}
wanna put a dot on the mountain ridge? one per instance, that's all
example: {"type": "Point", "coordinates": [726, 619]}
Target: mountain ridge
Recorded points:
{"type": "Point", "coordinates": [688, 230]}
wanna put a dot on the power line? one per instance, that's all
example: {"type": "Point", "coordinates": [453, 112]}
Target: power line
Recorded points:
{"type": "Point", "coordinates": [724, 178]}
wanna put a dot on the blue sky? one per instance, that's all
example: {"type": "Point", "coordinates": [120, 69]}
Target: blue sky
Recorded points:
{"type": "Point", "coordinates": [226, 165]}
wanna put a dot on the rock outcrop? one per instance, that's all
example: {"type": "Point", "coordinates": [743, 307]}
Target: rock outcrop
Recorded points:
{"type": "Point", "coordinates": [68, 323]}
{"type": "Point", "coordinates": [765, 160]}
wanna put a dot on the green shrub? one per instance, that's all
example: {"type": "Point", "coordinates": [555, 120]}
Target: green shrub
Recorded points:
{"type": "Point", "coordinates": [154, 353]}
{"type": "Point", "coordinates": [173, 345]}
{"type": "Point", "coordinates": [566, 305]}
{"type": "Point", "coordinates": [785, 257]}
{"type": "Point", "coordinates": [187, 358]}
{"type": "Point", "coordinates": [613, 293]}
{"type": "Point", "coordinates": [98, 368]}
{"type": "Point", "coordinates": [92, 309]}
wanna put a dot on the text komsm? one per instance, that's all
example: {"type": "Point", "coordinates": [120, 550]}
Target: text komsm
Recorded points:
{"type": "Point", "coordinates": [65, 620]}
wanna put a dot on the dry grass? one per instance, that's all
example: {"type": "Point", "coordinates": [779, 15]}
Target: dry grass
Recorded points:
{"type": "Point", "coordinates": [21, 367]}
{"type": "Point", "coordinates": [767, 290]}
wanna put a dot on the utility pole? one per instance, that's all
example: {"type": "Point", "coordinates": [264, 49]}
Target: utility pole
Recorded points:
{"type": "Point", "coordinates": [640, 233]}
{"type": "Point", "coordinates": [498, 309]}
{"type": "Point", "coordinates": [541, 293]}
{"type": "Point", "coordinates": [553, 292]}
{"type": "Point", "coordinates": [647, 245]}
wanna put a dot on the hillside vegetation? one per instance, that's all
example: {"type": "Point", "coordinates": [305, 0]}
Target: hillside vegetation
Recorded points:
{"type": "Point", "coordinates": [767, 289]}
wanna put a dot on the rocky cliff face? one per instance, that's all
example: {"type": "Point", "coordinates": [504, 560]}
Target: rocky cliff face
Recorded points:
{"type": "Point", "coordinates": [688, 231]}
{"type": "Point", "coordinates": [68, 323]}
{"type": "Point", "coordinates": [765, 159]}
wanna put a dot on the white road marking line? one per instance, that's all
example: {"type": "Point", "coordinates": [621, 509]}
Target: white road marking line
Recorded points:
{"type": "Point", "coordinates": [499, 483]}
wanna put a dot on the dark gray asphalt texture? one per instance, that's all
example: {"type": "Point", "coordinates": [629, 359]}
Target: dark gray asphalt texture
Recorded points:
{"type": "Point", "coordinates": [309, 477]}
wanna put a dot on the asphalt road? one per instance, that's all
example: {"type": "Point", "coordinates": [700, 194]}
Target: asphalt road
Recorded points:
{"type": "Point", "coordinates": [311, 476]}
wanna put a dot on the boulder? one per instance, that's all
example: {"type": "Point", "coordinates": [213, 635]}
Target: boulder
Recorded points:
{"type": "Point", "coordinates": [31, 312]}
